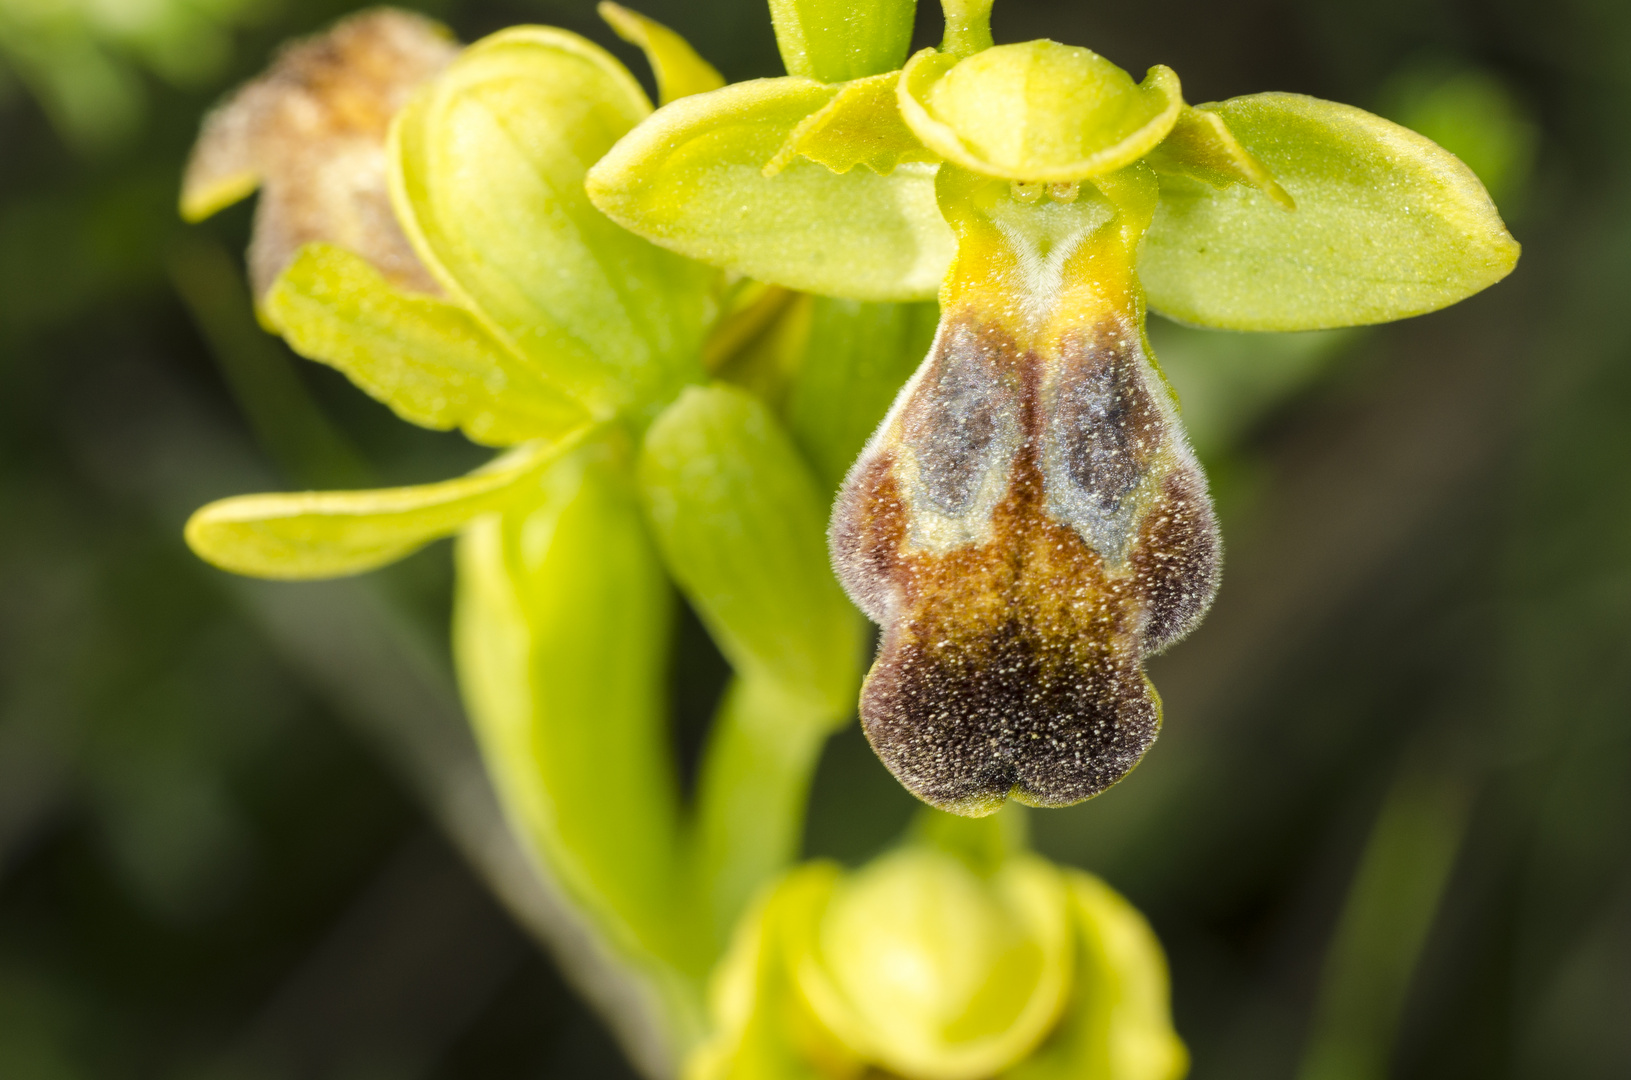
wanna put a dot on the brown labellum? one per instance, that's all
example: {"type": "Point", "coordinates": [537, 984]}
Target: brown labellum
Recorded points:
{"type": "Point", "coordinates": [1028, 525]}
{"type": "Point", "coordinates": [311, 133]}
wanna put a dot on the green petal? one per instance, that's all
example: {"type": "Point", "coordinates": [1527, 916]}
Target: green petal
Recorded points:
{"type": "Point", "coordinates": [692, 179]}
{"type": "Point", "coordinates": [323, 534]}
{"type": "Point", "coordinates": [1201, 145]}
{"type": "Point", "coordinates": [836, 40]}
{"type": "Point", "coordinates": [858, 357]}
{"type": "Point", "coordinates": [680, 71]}
{"type": "Point", "coordinates": [743, 530]}
{"type": "Point", "coordinates": [487, 177]}
{"type": "Point", "coordinates": [1388, 225]}
{"type": "Point", "coordinates": [430, 361]}
{"type": "Point", "coordinates": [1039, 111]}
{"type": "Point", "coordinates": [861, 125]}
{"type": "Point", "coordinates": [561, 634]}
{"type": "Point", "coordinates": [1117, 1022]}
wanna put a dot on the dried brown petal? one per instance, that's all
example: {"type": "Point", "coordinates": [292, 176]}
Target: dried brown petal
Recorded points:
{"type": "Point", "coordinates": [311, 133]}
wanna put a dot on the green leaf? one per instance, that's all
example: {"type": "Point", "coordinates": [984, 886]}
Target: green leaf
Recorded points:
{"type": "Point", "coordinates": [1038, 111]}
{"type": "Point", "coordinates": [858, 357]}
{"type": "Point", "coordinates": [1117, 1021]}
{"type": "Point", "coordinates": [836, 40]}
{"type": "Point", "coordinates": [323, 534]}
{"type": "Point", "coordinates": [561, 632]}
{"type": "Point", "coordinates": [679, 70]}
{"type": "Point", "coordinates": [743, 530]}
{"type": "Point", "coordinates": [432, 362]}
{"type": "Point", "coordinates": [487, 178]}
{"type": "Point", "coordinates": [692, 179]}
{"type": "Point", "coordinates": [1388, 225]}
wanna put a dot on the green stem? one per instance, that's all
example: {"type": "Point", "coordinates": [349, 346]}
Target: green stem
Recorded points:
{"type": "Point", "coordinates": [752, 795]}
{"type": "Point", "coordinates": [968, 27]}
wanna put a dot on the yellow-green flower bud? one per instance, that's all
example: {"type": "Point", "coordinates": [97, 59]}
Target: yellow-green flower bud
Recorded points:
{"type": "Point", "coordinates": [927, 966]}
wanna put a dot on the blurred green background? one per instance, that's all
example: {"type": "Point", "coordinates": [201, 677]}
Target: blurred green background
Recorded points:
{"type": "Point", "coordinates": [1386, 831]}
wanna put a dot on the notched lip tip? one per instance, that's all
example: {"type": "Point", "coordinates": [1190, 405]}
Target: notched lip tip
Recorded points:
{"type": "Point", "coordinates": [974, 806]}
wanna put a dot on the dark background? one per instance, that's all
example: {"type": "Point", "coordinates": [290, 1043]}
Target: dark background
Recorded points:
{"type": "Point", "coordinates": [1386, 832]}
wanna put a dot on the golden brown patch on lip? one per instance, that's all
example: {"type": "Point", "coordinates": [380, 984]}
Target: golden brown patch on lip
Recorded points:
{"type": "Point", "coordinates": [1012, 665]}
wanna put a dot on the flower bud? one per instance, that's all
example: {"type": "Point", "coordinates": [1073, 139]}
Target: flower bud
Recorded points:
{"type": "Point", "coordinates": [927, 966]}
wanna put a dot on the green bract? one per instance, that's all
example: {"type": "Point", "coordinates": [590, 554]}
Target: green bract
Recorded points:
{"type": "Point", "coordinates": [933, 963]}
{"type": "Point", "coordinates": [738, 516]}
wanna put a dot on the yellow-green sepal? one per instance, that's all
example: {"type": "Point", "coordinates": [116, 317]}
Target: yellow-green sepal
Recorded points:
{"type": "Point", "coordinates": [1387, 225]}
{"type": "Point", "coordinates": [741, 525]}
{"type": "Point", "coordinates": [487, 168]}
{"type": "Point", "coordinates": [1117, 1021]}
{"type": "Point", "coordinates": [679, 71]}
{"type": "Point", "coordinates": [325, 534]}
{"type": "Point", "coordinates": [561, 630]}
{"type": "Point", "coordinates": [692, 178]}
{"type": "Point", "coordinates": [432, 362]}
{"type": "Point", "coordinates": [1037, 111]}
{"type": "Point", "coordinates": [837, 40]}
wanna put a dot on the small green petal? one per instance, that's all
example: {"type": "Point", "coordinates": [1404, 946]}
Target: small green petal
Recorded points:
{"type": "Point", "coordinates": [692, 179]}
{"type": "Point", "coordinates": [680, 71]}
{"type": "Point", "coordinates": [323, 534]}
{"type": "Point", "coordinates": [487, 178]}
{"type": "Point", "coordinates": [1388, 225]}
{"type": "Point", "coordinates": [861, 125]}
{"type": "Point", "coordinates": [1039, 111]}
{"type": "Point", "coordinates": [432, 362]}
{"type": "Point", "coordinates": [1202, 145]}
{"type": "Point", "coordinates": [836, 40]}
{"type": "Point", "coordinates": [742, 527]}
